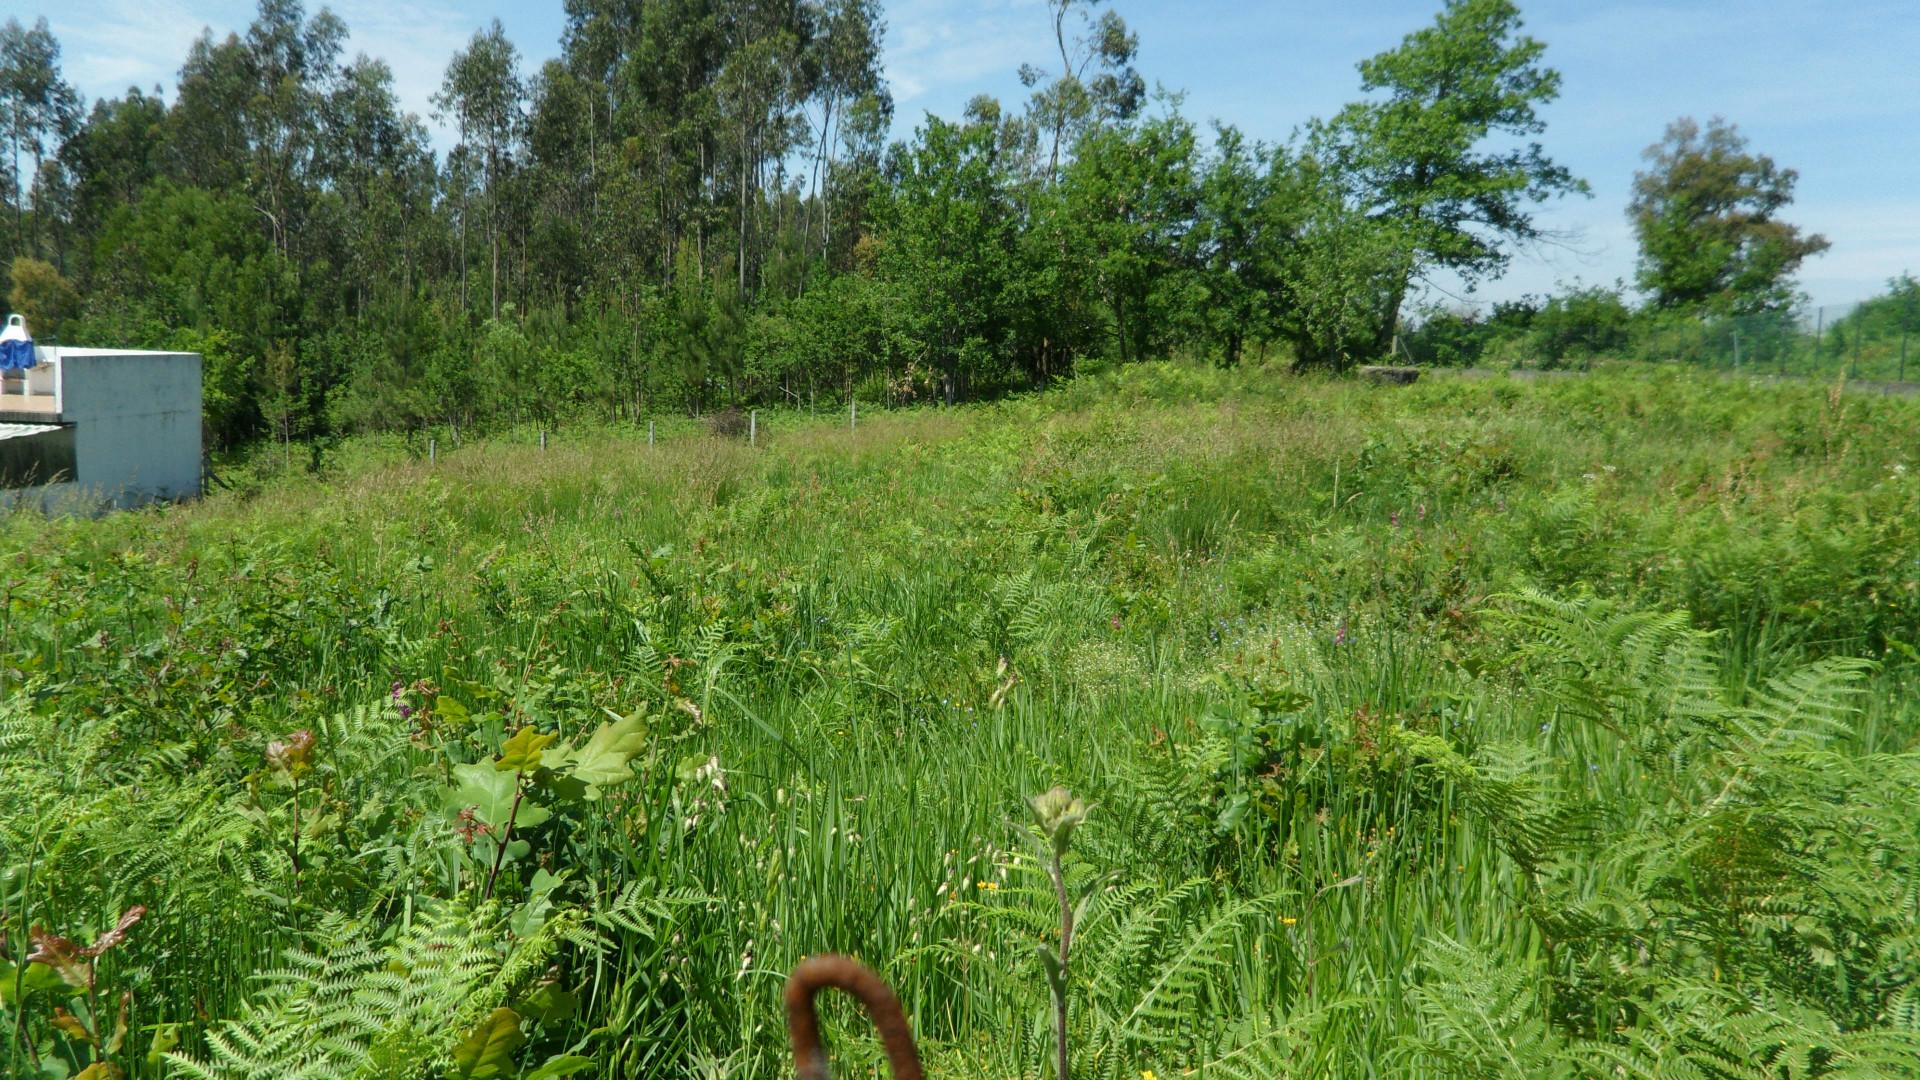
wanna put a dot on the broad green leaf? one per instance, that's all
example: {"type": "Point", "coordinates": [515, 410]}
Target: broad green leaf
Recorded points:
{"type": "Point", "coordinates": [490, 794]}
{"type": "Point", "coordinates": [487, 1051]}
{"type": "Point", "coordinates": [451, 711]}
{"type": "Point", "coordinates": [605, 758]}
{"type": "Point", "coordinates": [529, 917]}
{"type": "Point", "coordinates": [522, 752]}
{"type": "Point", "coordinates": [37, 977]}
{"type": "Point", "coordinates": [557, 1067]}
{"type": "Point", "coordinates": [548, 1003]}
{"type": "Point", "coordinates": [101, 1070]}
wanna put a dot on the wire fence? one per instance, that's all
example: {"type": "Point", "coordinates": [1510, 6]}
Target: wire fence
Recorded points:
{"type": "Point", "coordinates": [1877, 340]}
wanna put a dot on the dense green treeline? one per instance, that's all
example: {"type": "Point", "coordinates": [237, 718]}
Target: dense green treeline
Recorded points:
{"type": "Point", "coordinates": [697, 205]}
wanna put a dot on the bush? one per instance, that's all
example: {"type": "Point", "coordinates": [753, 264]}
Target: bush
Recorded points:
{"type": "Point", "coordinates": [1581, 324]}
{"type": "Point", "coordinates": [728, 423]}
{"type": "Point", "coordinates": [40, 294]}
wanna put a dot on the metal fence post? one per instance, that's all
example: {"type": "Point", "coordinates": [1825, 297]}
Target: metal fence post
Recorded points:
{"type": "Point", "coordinates": [1819, 337]}
{"type": "Point", "coordinates": [753, 427]}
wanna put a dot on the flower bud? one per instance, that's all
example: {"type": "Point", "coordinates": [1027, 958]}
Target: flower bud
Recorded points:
{"type": "Point", "coordinates": [1057, 812]}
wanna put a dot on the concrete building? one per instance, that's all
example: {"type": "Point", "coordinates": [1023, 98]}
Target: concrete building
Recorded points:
{"type": "Point", "coordinates": [94, 428]}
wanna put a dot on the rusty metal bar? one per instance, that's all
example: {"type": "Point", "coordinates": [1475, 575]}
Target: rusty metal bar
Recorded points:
{"type": "Point", "coordinates": [817, 973]}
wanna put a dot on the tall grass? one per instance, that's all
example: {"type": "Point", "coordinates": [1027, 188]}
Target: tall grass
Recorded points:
{"type": "Point", "coordinates": [1258, 622]}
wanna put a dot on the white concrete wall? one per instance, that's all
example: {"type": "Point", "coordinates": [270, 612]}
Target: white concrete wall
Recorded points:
{"type": "Point", "coordinates": [136, 419]}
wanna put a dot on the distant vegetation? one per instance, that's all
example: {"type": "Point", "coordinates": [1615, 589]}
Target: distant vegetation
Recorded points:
{"type": "Point", "coordinates": [697, 206]}
{"type": "Point", "coordinates": [1473, 728]}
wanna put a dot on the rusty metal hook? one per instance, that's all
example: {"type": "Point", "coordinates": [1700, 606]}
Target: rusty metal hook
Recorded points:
{"type": "Point", "coordinates": [815, 974]}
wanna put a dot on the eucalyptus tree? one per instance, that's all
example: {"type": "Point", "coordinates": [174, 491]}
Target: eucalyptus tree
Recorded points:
{"type": "Point", "coordinates": [1095, 82]}
{"type": "Point", "coordinates": [292, 64]}
{"type": "Point", "coordinates": [484, 94]}
{"type": "Point", "coordinates": [850, 92]}
{"type": "Point", "coordinates": [379, 170]}
{"type": "Point", "coordinates": [38, 107]}
{"type": "Point", "coordinates": [118, 151]}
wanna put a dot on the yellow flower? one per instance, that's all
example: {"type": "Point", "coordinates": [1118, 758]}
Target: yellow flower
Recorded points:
{"type": "Point", "coordinates": [1288, 920]}
{"type": "Point", "coordinates": [1147, 1074]}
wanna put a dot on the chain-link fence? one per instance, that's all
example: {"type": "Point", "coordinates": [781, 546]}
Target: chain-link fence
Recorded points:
{"type": "Point", "coordinates": [1878, 340]}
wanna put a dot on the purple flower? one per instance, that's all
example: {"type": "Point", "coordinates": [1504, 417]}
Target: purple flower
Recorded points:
{"type": "Point", "coordinates": [1340, 635]}
{"type": "Point", "coordinates": [1394, 519]}
{"type": "Point", "coordinates": [406, 711]}
{"type": "Point", "coordinates": [397, 686]}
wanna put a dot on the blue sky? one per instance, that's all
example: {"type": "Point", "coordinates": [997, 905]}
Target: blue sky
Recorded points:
{"type": "Point", "coordinates": [1831, 88]}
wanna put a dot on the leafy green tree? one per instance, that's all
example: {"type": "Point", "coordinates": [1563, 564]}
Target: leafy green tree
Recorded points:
{"type": "Point", "coordinates": [948, 248]}
{"type": "Point", "coordinates": [118, 151]}
{"type": "Point", "coordinates": [1705, 211]}
{"type": "Point", "coordinates": [1414, 160]}
{"type": "Point", "coordinates": [1580, 323]}
{"type": "Point", "coordinates": [1239, 244]}
{"type": "Point", "coordinates": [1132, 197]}
{"type": "Point", "coordinates": [42, 295]}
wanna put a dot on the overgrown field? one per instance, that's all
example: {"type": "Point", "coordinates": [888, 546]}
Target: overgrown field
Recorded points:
{"type": "Point", "coordinates": [1480, 728]}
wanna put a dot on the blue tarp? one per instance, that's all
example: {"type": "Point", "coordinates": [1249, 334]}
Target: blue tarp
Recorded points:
{"type": "Point", "coordinates": [17, 355]}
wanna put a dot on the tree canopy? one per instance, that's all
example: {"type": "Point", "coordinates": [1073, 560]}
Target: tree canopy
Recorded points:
{"type": "Point", "coordinates": [696, 205]}
{"type": "Point", "coordinates": [1706, 212]}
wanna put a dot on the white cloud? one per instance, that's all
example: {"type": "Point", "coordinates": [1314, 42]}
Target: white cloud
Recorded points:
{"type": "Point", "coordinates": [415, 39]}
{"type": "Point", "coordinates": [937, 52]}
{"type": "Point", "coordinates": [109, 45]}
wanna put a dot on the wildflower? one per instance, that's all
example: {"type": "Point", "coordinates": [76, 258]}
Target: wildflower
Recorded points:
{"type": "Point", "coordinates": [1288, 920]}
{"type": "Point", "coordinates": [1340, 635]}
{"type": "Point", "coordinates": [1393, 519]}
{"type": "Point", "coordinates": [1147, 1074]}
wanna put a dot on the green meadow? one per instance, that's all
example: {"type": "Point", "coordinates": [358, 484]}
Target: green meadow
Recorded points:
{"type": "Point", "coordinates": [1486, 728]}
